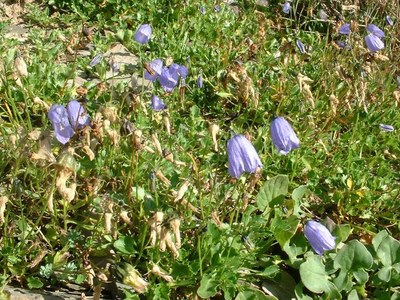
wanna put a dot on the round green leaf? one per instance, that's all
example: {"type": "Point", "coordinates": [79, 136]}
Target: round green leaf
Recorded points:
{"type": "Point", "coordinates": [272, 192]}
{"type": "Point", "coordinates": [313, 275]}
{"type": "Point", "coordinates": [353, 256]}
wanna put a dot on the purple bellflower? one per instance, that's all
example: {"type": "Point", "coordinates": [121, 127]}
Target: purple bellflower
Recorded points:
{"type": "Point", "coordinates": [58, 116]}
{"type": "Point", "coordinates": [242, 157]}
{"type": "Point", "coordinates": [374, 43]}
{"type": "Point", "coordinates": [67, 120]}
{"type": "Point", "coordinates": [319, 237]}
{"type": "Point", "coordinates": [301, 47]}
{"type": "Point", "coordinates": [143, 34]}
{"type": "Point", "coordinates": [170, 76]}
{"type": "Point", "coordinates": [217, 8]}
{"type": "Point", "coordinates": [157, 104]}
{"type": "Point", "coordinates": [286, 7]}
{"type": "Point", "coordinates": [200, 82]}
{"type": "Point", "coordinates": [385, 127]}
{"type": "Point", "coordinates": [375, 30]}
{"type": "Point", "coordinates": [389, 21]}
{"type": "Point", "coordinates": [345, 29]}
{"type": "Point", "coordinates": [96, 60]}
{"type": "Point", "coordinates": [202, 10]}
{"type": "Point", "coordinates": [156, 67]}
{"type": "Point", "coordinates": [78, 118]}
{"type": "Point", "coordinates": [283, 136]}
{"type": "Point", "coordinates": [169, 79]}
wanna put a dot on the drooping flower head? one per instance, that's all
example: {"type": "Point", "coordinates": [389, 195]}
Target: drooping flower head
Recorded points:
{"type": "Point", "coordinates": [389, 21]}
{"type": "Point", "coordinates": [375, 30]}
{"type": "Point", "coordinates": [242, 156]}
{"type": "Point", "coordinates": [301, 47]}
{"type": "Point", "coordinates": [200, 82]}
{"type": "Point", "coordinates": [385, 127]}
{"type": "Point", "coordinates": [345, 29]}
{"type": "Point", "coordinates": [286, 7]}
{"type": "Point", "coordinates": [168, 79]}
{"type": "Point", "coordinates": [157, 104]}
{"type": "Point", "coordinates": [143, 34]}
{"type": "Point", "coordinates": [96, 60]}
{"type": "Point", "coordinates": [155, 67]}
{"type": "Point", "coordinates": [319, 237]}
{"type": "Point", "coordinates": [170, 76]}
{"type": "Point", "coordinates": [66, 120]}
{"type": "Point", "coordinates": [283, 136]}
{"type": "Point", "coordinates": [58, 116]}
{"type": "Point", "coordinates": [374, 43]}
{"type": "Point", "coordinates": [77, 115]}
{"type": "Point", "coordinates": [203, 10]}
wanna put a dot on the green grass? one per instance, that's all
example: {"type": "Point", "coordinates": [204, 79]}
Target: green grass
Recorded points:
{"type": "Point", "coordinates": [346, 168]}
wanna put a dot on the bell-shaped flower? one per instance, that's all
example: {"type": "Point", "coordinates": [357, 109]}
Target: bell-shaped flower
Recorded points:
{"type": "Point", "coordinates": [375, 30]}
{"type": "Point", "coordinates": [389, 21]}
{"type": "Point", "coordinates": [301, 47]}
{"type": "Point", "coordinates": [286, 7]}
{"type": "Point", "coordinates": [157, 104]}
{"type": "Point", "coordinates": [58, 116]}
{"type": "Point", "coordinates": [96, 60]}
{"type": "Point", "coordinates": [200, 82]}
{"type": "Point", "coordinates": [169, 78]}
{"type": "Point", "coordinates": [345, 29]}
{"type": "Point", "coordinates": [183, 71]}
{"type": "Point", "coordinates": [77, 115]}
{"type": "Point", "coordinates": [374, 43]}
{"type": "Point", "coordinates": [319, 237]}
{"type": "Point", "coordinates": [386, 127]}
{"type": "Point", "coordinates": [156, 67]}
{"type": "Point", "coordinates": [143, 34]}
{"type": "Point", "coordinates": [242, 157]}
{"type": "Point", "coordinates": [283, 136]}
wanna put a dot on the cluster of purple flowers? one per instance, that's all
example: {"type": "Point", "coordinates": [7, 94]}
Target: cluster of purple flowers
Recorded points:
{"type": "Point", "coordinates": [66, 120]}
{"type": "Point", "coordinates": [373, 39]}
{"type": "Point", "coordinates": [167, 76]}
{"type": "Point", "coordinates": [242, 157]}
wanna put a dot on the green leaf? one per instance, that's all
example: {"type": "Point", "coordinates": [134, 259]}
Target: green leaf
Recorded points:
{"type": "Point", "coordinates": [284, 229]}
{"type": "Point", "coordinates": [272, 192]}
{"type": "Point", "coordinates": [342, 232]}
{"type": "Point", "coordinates": [253, 294]}
{"type": "Point", "coordinates": [313, 275]}
{"type": "Point", "coordinates": [361, 276]}
{"type": "Point", "coordinates": [385, 273]}
{"type": "Point", "coordinates": [224, 94]}
{"type": "Point", "coordinates": [208, 286]}
{"type": "Point", "coordinates": [34, 283]}
{"type": "Point", "coordinates": [353, 256]}
{"type": "Point", "coordinates": [343, 281]}
{"type": "Point", "coordinates": [299, 192]}
{"type": "Point", "coordinates": [353, 295]}
{"type": "Point", "coordinates": [125, 245]}
{"type": "Point", "coordinates": [387, 248]}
